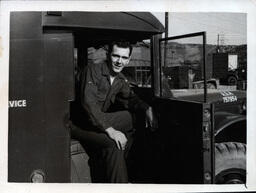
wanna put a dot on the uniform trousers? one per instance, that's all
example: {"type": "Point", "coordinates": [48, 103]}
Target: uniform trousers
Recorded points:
{"type": "Point", "coordinates": [107, 162]}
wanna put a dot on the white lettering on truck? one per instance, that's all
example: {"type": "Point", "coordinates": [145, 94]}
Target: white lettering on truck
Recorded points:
{"type": "Point", "coordinates": [17, 103]}
{"type": "Point", "coordinates": [228, 97]}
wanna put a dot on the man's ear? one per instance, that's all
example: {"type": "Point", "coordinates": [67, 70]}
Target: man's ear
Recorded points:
{"type": "Point", "coordinates": [129, 59]}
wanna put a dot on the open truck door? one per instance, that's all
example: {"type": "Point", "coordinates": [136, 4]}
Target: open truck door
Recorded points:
{"type": "Point", "coordinates": [185, 126]}
{"type": "Point", "coordinates": [189, 118]}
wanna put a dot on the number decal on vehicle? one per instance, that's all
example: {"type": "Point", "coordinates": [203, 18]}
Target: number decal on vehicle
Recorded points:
{"type": "Point", "coordinates": [228, 97]}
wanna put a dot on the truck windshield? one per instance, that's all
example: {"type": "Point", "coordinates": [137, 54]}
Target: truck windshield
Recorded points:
{"type": "Point", "coordinates": [182, 67]}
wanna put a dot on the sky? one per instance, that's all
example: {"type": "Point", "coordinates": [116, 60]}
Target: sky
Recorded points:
{"type": "Point", "coordinates": [231, 27]}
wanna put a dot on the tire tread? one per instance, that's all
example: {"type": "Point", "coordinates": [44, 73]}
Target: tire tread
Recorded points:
{"type": "Point", "coordinates": [229, 155]}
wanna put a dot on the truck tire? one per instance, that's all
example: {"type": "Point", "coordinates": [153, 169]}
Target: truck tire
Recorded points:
{"type": "Point", "coordinates": [232, 80]}
{"type": "Point", "coordinates": [230, 163]}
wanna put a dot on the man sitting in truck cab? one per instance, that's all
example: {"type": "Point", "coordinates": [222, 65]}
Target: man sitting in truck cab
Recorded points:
{"type": "Point", "coordinates": [109, 103]}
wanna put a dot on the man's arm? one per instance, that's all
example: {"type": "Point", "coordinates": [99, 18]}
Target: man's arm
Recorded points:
{"type": "Point", "coordinates": [151, 120]}
{"type": "Point", "coordinates": [89, 101]}
{"type": "Point", "coordinates": [132, 102]}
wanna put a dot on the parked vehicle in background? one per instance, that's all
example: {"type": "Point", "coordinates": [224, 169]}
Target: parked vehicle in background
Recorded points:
{"type": "Point", "coordinates": [227, 69]}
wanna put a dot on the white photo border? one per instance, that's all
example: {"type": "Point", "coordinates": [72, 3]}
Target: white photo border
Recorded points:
{"type": "Point", "coordinates": [243, 6]}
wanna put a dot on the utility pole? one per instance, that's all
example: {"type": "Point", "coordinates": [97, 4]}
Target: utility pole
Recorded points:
{"type": "Point", "coordinates": [166, 24]}
{"type": "Point", "coordinates": [218, 44]}
{"type": "Point", "coordinates": [166, 36]}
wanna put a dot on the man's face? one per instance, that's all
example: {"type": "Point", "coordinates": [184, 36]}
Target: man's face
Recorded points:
{"type": "Point", "coordinates": [119, 58]}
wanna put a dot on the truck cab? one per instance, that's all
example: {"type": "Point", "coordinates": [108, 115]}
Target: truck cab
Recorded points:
{"type": "Point", "coordinates": [199, 130]}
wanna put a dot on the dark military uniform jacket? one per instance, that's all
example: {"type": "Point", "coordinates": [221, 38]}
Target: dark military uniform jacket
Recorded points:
{"type": "Point", "coordinates": [100, 99]}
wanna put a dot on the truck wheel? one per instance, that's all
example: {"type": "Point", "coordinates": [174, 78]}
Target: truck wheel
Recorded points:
{"type": "Point", "coordinates": [232, 80]}
{"type": "Point", "coordinates": [230, 163]}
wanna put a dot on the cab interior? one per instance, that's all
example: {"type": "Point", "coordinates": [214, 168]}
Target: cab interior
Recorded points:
{"type": "Point", "coordinates": [90, 50]}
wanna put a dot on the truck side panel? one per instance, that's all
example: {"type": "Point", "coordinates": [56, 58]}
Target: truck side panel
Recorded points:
{"type": "Point", "coordinates": [41, 76]}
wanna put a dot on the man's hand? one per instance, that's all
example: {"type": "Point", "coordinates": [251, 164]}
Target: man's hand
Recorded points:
{"type": "Point", "coordinates": [151, 119]}
{"type": "Point", "coordinates": [118, 137]}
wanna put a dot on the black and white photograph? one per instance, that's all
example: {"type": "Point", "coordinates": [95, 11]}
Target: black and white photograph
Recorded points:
{"type": "Point", "coordinates": [132, 98]}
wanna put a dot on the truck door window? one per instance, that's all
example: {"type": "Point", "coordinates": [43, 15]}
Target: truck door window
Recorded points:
{"type": "Point", "coordinates": [182, 67]}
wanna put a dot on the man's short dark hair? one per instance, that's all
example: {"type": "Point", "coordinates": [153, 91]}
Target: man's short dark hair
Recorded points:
{"type": "Point", "coordinates": [121, 44]}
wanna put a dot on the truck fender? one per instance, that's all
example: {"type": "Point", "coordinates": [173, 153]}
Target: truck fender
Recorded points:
{"type": "Point", "coordinates": [230, 127]}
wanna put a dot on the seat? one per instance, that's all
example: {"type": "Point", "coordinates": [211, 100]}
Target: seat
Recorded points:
{"type": "Point", "coordinates": [80, 170]}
